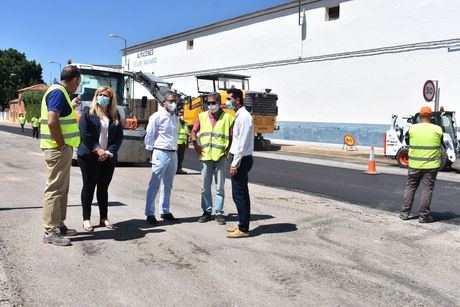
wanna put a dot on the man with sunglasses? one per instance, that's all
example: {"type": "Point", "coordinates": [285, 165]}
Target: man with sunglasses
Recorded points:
{"type": "Point", "coordinates": [214, 127]}
{"type": "Point", "coordinates": [161, 140]}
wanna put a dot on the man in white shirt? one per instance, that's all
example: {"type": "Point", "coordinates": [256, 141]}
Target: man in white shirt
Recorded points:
{"type": "Point", "coordinates": [241, 150]}
{"type": "Point", "coordinates": [161, 140]}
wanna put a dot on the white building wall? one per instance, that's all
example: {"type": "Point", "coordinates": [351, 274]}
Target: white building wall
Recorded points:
{"type": "Point", "coordinates": [356, 89]}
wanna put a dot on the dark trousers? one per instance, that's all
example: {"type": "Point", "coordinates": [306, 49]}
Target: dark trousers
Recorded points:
{"type": "Point", "coordinates": [240, 193]}
{"type": "Point", "coordinates": [428, 179]}
{"type": "Point", "coordinates": [35, 132]}
{"type": "Point", "coordinates": [95, 173]}
{"type": "Point", "coordinates": [22, 128]}
{"type": "Point", "coordinates": [180, 155]}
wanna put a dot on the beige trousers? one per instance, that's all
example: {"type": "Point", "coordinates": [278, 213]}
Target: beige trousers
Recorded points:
{"type": "Point", "coordinates": [57, 187]}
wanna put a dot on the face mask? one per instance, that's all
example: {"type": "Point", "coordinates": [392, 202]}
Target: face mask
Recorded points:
{"type": "Point", "coordinates": [171, 106]}
{"type": "Point", "coordinates": [230, 105]}
{"type": "Point", "coordinates": [213, 108]}
{"type": "Point", "coordinates": [103, 101]}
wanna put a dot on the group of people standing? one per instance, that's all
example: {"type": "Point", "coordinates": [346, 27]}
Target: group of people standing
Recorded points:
{"type": "Point", "coordinates": [98, 134]}
{"type": "Point", "coordinates": [217, 137]}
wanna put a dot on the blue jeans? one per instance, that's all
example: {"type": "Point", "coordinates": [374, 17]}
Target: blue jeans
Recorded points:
{"type": "Point", "coordinates": [240, 193]}
{"type": "Point", "coordinates": [216, 169]}
{"type": "Point", "coordinates": [164, 165]}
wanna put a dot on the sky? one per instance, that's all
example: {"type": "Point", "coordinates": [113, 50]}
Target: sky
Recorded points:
{"type": "Point", "coordinates": [51, 30]}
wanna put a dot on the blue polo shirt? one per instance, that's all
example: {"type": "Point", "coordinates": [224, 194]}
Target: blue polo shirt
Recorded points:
{"type": "Point", "coordinates": [56, 102]}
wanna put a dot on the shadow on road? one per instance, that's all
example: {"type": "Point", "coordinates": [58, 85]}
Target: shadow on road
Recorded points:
{"type": "Point", "coordinates": [124, 231]}
{"type": "Point", "coordinates": [110, 204]}
{"type": "Point", "coordinates": [273, 228]}
{"type": "Point", "coordinates": [444, 216]}
{"type": "Point", "coordinates": [233, 217]}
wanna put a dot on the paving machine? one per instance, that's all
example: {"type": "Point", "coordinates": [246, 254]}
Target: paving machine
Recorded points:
{"type": "Point", "coordinates": [262, 105]}
{"type": "Point", "coordinates": [395, 144]}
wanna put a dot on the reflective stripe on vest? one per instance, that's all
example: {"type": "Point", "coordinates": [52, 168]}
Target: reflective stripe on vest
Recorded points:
{"type": "Point", "coordinates": [183, 133]}
{"type": "Point", "coordinates": [425, 146]}
{"type": "Point", "coordinates": [68, 124]}
{"type": "Point", "coordinates": [214, 140]}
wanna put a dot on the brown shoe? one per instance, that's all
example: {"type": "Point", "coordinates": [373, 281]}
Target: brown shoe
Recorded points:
{"type": "Point", "coordinates": [237, 234]}
{"type": "Point", "coordinates": [232, 228]}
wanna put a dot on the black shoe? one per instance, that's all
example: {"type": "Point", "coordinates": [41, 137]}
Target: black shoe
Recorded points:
{"type": "Point", "coordinates": [169, 217]}
{"type": "Point", "coordinates": [181, 172]}
{"type": "Point", "coordinates": [220, 219]}
{"type": "Point", "coordinates": [426, 219]}
{"type": "Point", "coordinates": [152, 220]}
{"type": "Point", "coordinates": [206, 217]}
{"type": "Point", "coordinates": [67, 232]}
{"type": "Point", "coordinates": [404, 216]}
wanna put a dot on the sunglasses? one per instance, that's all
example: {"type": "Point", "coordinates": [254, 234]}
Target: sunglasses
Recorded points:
{"type": "Point", "coordinates": [212, 102]}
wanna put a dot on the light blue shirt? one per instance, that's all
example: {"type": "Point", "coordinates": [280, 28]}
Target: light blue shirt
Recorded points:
{"type": "Point", "coordinates": [162, 131]}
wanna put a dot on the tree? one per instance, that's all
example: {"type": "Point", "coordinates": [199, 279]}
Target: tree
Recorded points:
{"type": "Point", "coordinates": [32, 101]}
{"type": "Point", "coordinates": [16, 72]}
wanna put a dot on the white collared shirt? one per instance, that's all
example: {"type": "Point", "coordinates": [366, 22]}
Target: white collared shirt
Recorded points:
{"type": "Point", "coordinates": [162, 131]}
{"type": "Point", "coordinates": [243, 136]}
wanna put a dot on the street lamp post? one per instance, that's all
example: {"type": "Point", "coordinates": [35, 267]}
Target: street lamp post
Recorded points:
{"type": "Point", "coordinates": [54, 62]}
{"type": "Point", "coordinates": [126, 44]}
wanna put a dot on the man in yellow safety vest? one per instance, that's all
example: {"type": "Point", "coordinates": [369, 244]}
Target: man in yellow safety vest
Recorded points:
{"type": "Point", "coordinates": [35, 122]}
{"type": "Point", "coordinates": [425, 151]}
{"type": "Point", "coordinates": [59, 135]}
{"type": "Point", "coordinates": [182, 142]}
{"type": "Point", "coordinates": [214, 127]}
{"type": "Point", "coordinates": [22, 121]}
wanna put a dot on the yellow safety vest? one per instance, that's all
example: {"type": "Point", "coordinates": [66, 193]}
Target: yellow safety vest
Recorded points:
{"type": "Point", "coordinates": [35, 122]}
{"type": "Point", "coordinates": [22, 120]}
{"type": "Point", "coordinates": [69, 124]}
{"type": "Point", "coordinates": [214, 140]}
{"type": "Point", "coordinates": [425, 146]}
{"type": "Point", "coordinates": [183, 133]}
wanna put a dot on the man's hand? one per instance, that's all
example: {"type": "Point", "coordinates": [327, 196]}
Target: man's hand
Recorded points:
{"type": "Point", "coordinates": [76, 102]}
{"type": "Point", "coordinates": [233, 170]}
{"type": "Point", "coordinates": [198, 149]}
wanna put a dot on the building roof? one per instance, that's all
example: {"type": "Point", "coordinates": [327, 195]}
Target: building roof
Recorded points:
{"type": "Point", "coordinates": [36, 87]}
{"type": "Point", "coordinates": [14, 101]}
{"type": "Point", "coordinates": [281, 7]}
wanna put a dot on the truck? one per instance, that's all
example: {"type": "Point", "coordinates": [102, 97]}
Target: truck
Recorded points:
{"type": "Point", "coordinates": [395, 146]}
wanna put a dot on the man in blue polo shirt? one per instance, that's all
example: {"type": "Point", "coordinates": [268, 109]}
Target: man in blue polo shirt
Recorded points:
{"type": "Point", "coordinates": [59, 136]}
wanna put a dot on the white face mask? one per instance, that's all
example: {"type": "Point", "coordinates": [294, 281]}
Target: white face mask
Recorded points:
{"type": "Point", "coordinates": [171, 106]}
{"type": "Point", "coordinates": [213, 108]}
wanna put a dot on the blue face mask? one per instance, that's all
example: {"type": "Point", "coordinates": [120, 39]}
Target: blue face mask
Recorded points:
{"type": "Point", "coordinates": [229, 105]}
{"type": "Point", "coordinates": [103, 101]}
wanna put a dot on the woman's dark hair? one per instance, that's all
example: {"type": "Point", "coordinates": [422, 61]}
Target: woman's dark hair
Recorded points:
{"type": "Point", "coordinates": [69, 73]}
{"type": "Point", "coordinates": [237, 93]}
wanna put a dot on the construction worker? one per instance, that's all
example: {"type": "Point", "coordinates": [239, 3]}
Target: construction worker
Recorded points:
{"type": "Point", "coordinates": [182, 142]}
{"type": "Point", "coordinates": [425, 149]}
{"type": "Point", "coordinates": [22, 121]}
{"type": "Point", "coordinates": [214, 127]}
{"type": "Point", "coordinates": [35, 122]}
{"type": "Point", "coordinates": [161, 140]}
{"type": "Point", "coordinates": [241, 151]}
{"type": "Point", "coordinates": [59, 135]}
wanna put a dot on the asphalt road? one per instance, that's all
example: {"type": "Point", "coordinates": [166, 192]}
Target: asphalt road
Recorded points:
{"type": "Point", "coordinates": [384, 191]}
{"type": "Point", "coordinates": [304, 250]}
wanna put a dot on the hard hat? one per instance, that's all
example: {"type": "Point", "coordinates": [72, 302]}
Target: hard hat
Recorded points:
{"type": "Point", "coordinates": [426, 111]}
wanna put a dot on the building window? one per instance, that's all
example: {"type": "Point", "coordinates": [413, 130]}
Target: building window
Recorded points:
{"type": "Point", "coordinates": [332, 13]}
{"type": "Point", "coordinates": [190, 44]}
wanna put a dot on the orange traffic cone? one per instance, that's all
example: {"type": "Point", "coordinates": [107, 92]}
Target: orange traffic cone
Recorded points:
{"type": "Point", "coordinates": [371, 166]}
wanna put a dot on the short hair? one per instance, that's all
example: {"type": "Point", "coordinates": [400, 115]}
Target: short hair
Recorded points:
{"type": "Point", "coordinates": [237, 93]}
{"type": "Point", "coordinates": [70, 72]}
{"type": "Point", "coordinates": [169, 93]}
{"type": "Point", "coordinates": [216, 95]}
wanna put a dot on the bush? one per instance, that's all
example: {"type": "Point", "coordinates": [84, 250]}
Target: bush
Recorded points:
{"type": "Point", "coordinates": [32, 101]}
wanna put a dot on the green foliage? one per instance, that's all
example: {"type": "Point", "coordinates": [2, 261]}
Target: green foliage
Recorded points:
{"type": "Point", "coordinates": [16, 72]}
{"type": "Point", "coordinates": [32, 101]}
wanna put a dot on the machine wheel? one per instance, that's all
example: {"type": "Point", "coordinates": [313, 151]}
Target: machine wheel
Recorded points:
{"type": "Point", "coordinates": [403, 158]}
{"type": "Point", "coordinates": [74, 162]}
